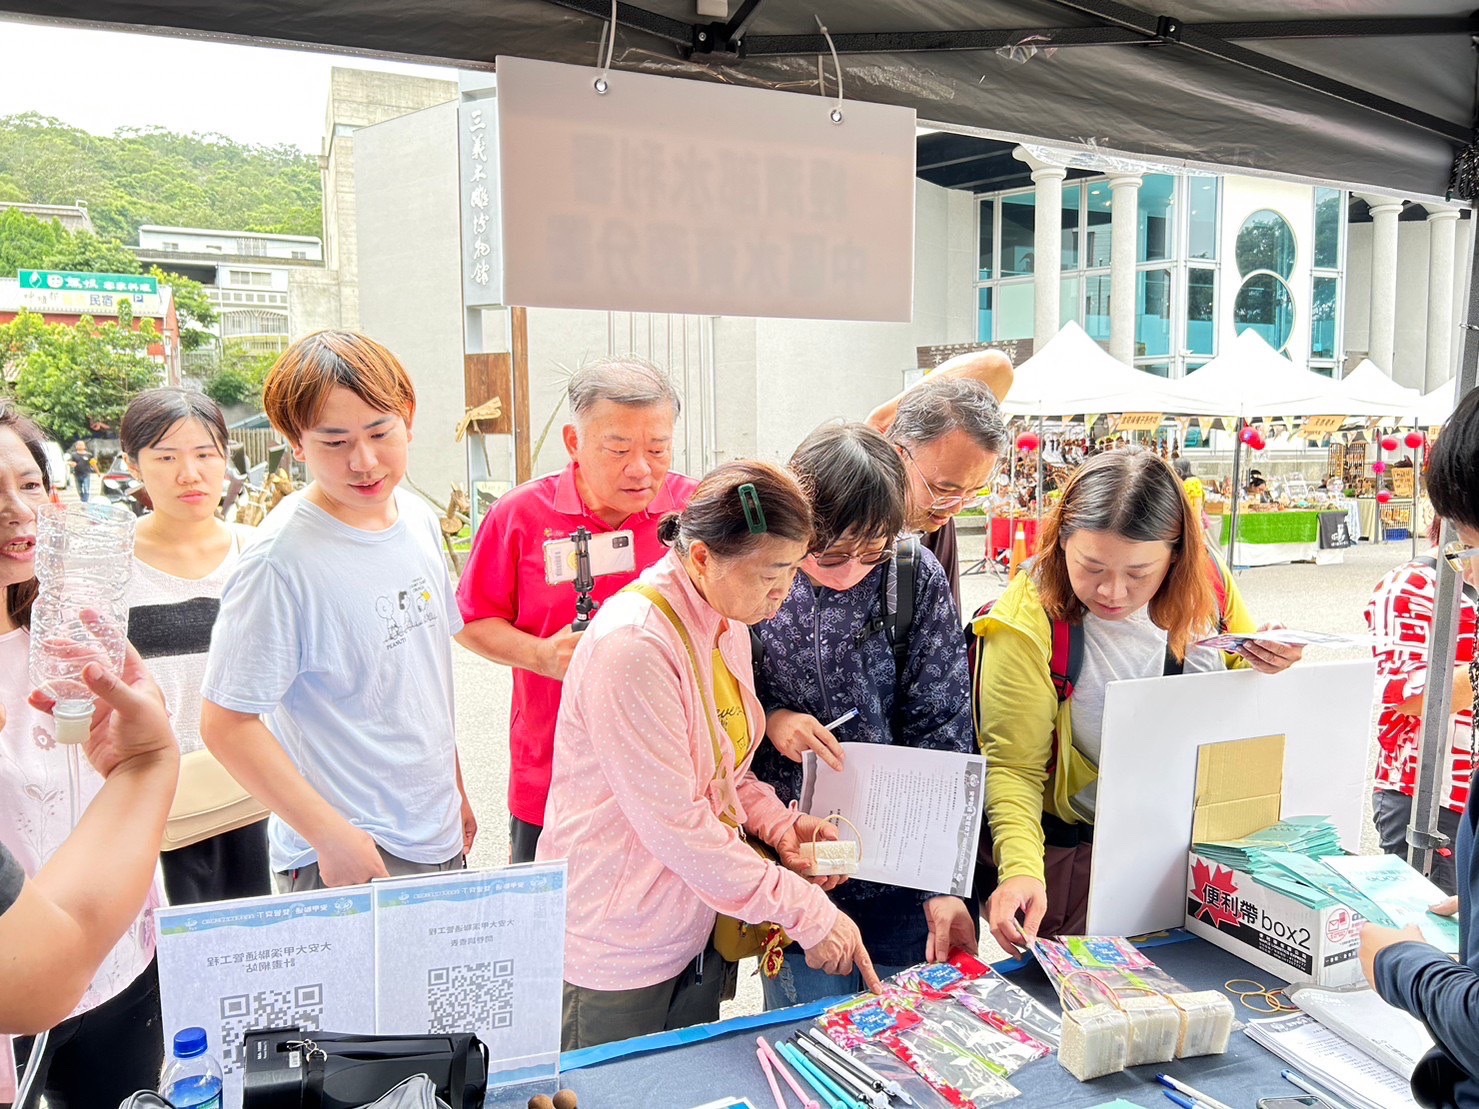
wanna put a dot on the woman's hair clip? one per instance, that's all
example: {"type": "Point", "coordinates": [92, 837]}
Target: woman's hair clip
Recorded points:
{"type": "Point", "coordinates": [754, 514]}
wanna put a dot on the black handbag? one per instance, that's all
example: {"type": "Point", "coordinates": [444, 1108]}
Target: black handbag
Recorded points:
{"type": "Point", "coordinates": [289, 1068]}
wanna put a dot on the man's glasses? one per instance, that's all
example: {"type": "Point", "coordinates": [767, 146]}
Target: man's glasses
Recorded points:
{"type": "Point", "coordinates": [832, 559]}
{"type": "Point", "coordinates": [942, 503]}
{"type": "Point", "coordinates": [1455, 553]}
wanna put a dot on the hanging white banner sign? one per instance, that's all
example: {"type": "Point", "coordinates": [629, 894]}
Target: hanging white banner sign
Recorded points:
{"type": "Point", "coordinates": [669, 195]}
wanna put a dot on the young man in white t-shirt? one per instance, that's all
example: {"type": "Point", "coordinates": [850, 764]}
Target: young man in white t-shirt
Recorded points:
{"type": "Point", "coordinates": [328, 690]}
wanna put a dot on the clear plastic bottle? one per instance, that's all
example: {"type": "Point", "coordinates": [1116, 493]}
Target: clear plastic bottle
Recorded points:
{"type": "Point", "coordinates": [84, 554]}
{"type": "Point", "coordinates": [193, 1079]}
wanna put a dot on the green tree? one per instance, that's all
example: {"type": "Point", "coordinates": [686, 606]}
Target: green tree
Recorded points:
{"type": "Point", "coordinates": [150, 175]}
{"type": "Point", "coordinates": [239, 377]}
{"type": "Point", "coordinates": [76, 381]}
{"type": "Point", "coordinates": [84, 252]}
{"type": "Point", "coordinates": [198, 315]}
{"type": "Point", "coordinates": [25, 241]}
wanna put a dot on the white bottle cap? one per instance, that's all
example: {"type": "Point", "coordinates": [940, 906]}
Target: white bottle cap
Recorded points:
{"type": "Point", "coordinates": [73, 721]}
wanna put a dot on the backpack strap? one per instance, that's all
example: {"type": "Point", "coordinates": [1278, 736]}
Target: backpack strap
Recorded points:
{"type": "Point", "coordinates": [1221, 587]}
{"type": "Point", "coordinates": [897, 589]}
{"type": "Point", "coordinates": [1067, 659]}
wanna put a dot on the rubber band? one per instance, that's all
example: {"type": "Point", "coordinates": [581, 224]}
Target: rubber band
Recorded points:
{"type": "Point", "coordinates": [1280, 1000]}
{"type": "Point", "coordinates": [1231, 988]}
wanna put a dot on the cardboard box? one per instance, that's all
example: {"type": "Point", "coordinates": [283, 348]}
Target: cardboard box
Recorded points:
{"type": "Point", "coordinates": [1239, 789]}
{"type": "Point", "coordinates": [1272, 932]}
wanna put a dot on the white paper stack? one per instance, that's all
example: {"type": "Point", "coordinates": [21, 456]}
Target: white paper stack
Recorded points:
{"type": "Point", "coordinates": [1345, 1070]}
{"type": "Point", "coordinates": [1393, 1038]}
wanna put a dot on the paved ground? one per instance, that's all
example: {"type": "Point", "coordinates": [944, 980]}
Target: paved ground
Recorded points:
{"type": "Point", "coordinates": [1316, 598]}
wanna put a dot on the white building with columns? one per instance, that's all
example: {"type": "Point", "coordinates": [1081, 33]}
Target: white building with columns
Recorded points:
{"type": "Point", "coordinates": [1165, 269]}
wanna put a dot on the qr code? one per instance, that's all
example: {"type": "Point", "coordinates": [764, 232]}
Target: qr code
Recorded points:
{"type": "Point", "coordinates": [302, 1006]}
{"type": "Point", "coordinates": [476, 997]}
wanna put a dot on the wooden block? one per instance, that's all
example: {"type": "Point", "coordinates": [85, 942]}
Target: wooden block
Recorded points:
{"type": "Point", "coordinates": [484, 377]}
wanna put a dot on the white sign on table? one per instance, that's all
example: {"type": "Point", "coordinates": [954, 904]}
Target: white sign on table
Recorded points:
{"type": "Point", "coordinates": [918, 812]}
{"type": "Point", "coordinates": [671, 195]}
{"type": "Point", "coordinates": [476, 952]}
{"type": "Point", "coordinates": [1148, 770]}
{"type": "Point", "coordinates": [468, 951]}
{"type": "Point", "coordinates": [301, 959]}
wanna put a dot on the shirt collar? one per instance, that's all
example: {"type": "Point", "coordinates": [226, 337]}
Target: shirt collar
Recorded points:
{"type": "Point", "coordinates": [568, 501]}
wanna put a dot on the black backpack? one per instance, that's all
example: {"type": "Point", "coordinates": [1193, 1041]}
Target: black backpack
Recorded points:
{"type": "Point", "coordinates": [897, 587]}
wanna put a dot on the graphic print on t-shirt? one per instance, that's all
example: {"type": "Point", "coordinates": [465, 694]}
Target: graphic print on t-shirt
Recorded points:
{"type": "Point", "coordinates": [406, 609]}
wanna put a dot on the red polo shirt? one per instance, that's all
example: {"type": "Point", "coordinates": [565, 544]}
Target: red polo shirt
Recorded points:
{"type": "Point", "coordinates": [504, 577]}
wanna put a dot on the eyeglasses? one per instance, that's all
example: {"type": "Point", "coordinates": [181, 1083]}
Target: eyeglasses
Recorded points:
{"type": "Point", "coordinates": [942, 503]}
{"type": "Point", "coordinates": [830, 560]}
{"type": "Point", "coordinates": [1455, 553]}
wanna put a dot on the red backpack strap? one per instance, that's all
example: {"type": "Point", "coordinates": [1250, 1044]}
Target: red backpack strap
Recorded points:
{"type": "Point", "coordinates": [1067, 658]}
{"type": "Point", "coordinates": [1217, 573]}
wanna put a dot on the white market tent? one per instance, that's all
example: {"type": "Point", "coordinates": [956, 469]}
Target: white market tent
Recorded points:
{"type": "Point", "coordinates": [1369, 384]}
{"type": "Point", "coordinates": [1252, 381]}
{"type": "Point", "coordinates": [1435, 407]}
{"type": "Point", "coordinates": [1072, 375]}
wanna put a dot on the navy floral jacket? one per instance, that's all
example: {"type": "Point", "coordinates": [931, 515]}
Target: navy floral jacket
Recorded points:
{"type": "Point", "coordinates": [816, 661]}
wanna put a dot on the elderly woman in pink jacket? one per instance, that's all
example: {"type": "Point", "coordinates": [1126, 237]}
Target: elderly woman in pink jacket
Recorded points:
{"type": "Point", "coordinates": [652, 793]}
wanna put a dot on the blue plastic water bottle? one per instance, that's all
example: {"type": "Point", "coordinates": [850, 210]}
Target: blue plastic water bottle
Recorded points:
{"type": "Point", "coordinates": [193, 1079]}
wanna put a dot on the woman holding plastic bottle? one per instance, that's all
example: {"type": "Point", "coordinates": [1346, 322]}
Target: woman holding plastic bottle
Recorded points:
{"type": "Point", "coordinates": [111, 1045]}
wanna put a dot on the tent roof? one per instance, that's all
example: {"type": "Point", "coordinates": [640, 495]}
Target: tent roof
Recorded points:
{"type": "Point", "coordinates": [1251, 380]}
{"type": "Point", "coordinates": [1370, 385]}
{"type": "Point", "coordinates": [1073, 375]}
{"type": "Point", "coordinates": [1435, 407]}
{"type": "Point", "coordinates": [1343, 92]}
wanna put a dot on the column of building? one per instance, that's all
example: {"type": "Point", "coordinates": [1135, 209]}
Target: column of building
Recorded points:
{"type": "Point", "coordinates": [1047, 244]}
{"type": "Point", "coordinates": [1124, 229]}
{"type": "Point", "coordinates": [1382, 315]}
{"type": "Point", "coordinates": [1442, 224]}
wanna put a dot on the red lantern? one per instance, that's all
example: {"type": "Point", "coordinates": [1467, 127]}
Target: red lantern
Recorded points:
{"type": "Point", "coordinates": [1379, 466]}
{"type": "Point", "coordinates": [1027, 441]}
{"type": "Point", "coordinates": [1388, 443]}
{"type": "Point", "coordinates": [1414, 440]}
{"type": "Point", "coordinates": [1383, 496]}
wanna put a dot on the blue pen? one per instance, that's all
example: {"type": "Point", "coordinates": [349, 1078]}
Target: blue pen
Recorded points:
{"type": "Point", "coordinates": [834, 1097]}
{"type": "Point", "coordinates": [1180, 1099]}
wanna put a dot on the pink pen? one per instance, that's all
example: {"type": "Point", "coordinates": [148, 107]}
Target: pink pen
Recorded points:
{"type": "Point", "coordinates": [775, 1061]}
{"type": "Point", "coordinates": [775, 1091]}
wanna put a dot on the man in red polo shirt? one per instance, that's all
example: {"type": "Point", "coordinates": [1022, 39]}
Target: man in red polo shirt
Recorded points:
{"type": "Point", "coordinates": [620, 444]}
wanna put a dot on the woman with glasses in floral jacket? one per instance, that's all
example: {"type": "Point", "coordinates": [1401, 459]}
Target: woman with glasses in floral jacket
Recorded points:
{"type": "Point", "coordinates": [826, 653]}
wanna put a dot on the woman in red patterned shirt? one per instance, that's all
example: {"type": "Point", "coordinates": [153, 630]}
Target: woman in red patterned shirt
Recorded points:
{"type": "Point", "coordinates": [1400, 615]}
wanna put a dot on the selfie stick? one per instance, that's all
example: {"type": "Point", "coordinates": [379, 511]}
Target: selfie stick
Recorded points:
{"type": "Point", "coordinates": [585, 605]}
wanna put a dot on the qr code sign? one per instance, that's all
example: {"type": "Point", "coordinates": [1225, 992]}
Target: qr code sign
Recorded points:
{"type": "Point", "coordinates": [475, 997]}
{"type": "Point", "coordinates": [302, 1006]}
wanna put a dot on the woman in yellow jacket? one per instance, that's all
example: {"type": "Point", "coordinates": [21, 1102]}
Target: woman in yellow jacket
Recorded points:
{"type": "Point", "coordinates": [1122, 556]}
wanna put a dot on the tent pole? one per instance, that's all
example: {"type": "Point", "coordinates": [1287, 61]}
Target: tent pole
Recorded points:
{"type": "Point", "coordinates": [1039, 472]}
{"type": "Point", "coordinates": [1433, 758]}
{"type": "Point", "coordinates": [1417, 488]}
{"type": "Point", "coordinates": [1012, 486]}
{"type": "Point", "coordinates": [1237, 490]}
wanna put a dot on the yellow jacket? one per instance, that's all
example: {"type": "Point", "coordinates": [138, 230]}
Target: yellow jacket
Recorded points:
{"type": "Point", "coordinates": [1019, 720]}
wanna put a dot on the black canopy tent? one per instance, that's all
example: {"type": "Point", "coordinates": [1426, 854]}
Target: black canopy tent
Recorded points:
{"type": "Point", "coordinates": [1341, 91]}
{"type": "Point", "coordinates": [1336, 90]}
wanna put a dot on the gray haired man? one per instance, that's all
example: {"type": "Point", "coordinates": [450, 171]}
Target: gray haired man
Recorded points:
{"type": "Point", "coordinates": [620, 441]}
{"type": "Point", "coordinates": [949, 431]}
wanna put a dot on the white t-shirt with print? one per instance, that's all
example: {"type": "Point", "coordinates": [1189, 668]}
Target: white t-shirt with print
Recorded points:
{"type": "Point", "coordinates": [342, 639]}
{"type": "Point", "coordinates": [1119, 650]}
